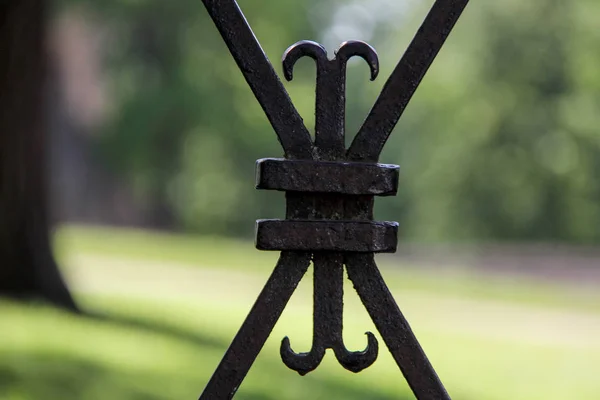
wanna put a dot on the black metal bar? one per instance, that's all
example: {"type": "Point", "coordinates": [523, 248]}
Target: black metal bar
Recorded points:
{"type": "Point", "coordinates": [329, 118]}
{"type": "Point", "coordinates": [405, 79]}
{"type": "Point", "coordinates": [328, 326]}
{"type": "Point", "coordinates": [261, 77]}
{"type": "Point", "coordinates": [355, 236]}
{"type": "Point", "coordinates": [327, 177]}
{"type": "Point", "coordinates": [258, 325]}
{"type": "Point", "coordinates": [329, 196]}
{"type": "Point", "coordinates": [394, 328]}
{"type": "Point", "coordinates": [327, 310]}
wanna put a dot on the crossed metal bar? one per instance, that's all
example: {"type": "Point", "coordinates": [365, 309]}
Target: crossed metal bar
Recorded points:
{"type": "Point", "coordinates": [330, 195]}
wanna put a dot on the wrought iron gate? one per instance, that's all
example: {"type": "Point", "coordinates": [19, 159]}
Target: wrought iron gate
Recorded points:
{"type": "Point", "coordinates": [330, 193]}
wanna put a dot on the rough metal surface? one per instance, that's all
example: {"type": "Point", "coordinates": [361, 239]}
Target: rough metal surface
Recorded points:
{"type": "Point", "coordinates": [354, 236]}
{"type": "Point", "coordinates": [329, 194]}
{"type": "Point", "coordinates": [327, 177]}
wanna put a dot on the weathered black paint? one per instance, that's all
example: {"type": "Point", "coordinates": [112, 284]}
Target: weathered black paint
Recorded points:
{"type": "Point", "coordinates": [352, 236]}
{"type": "Point", "coordinates": [352, 178]}
{"type": "Point", "coordinates": [329, 195]}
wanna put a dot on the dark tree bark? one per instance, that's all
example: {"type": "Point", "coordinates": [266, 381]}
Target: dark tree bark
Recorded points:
{"type": "Point", "coordinates": [27, 266]}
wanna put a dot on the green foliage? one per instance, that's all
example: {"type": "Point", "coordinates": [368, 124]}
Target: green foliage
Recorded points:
{"type": "Point", "coordinates": [183, 131]}
{"type": "Point", "coordinates": [501, 141]}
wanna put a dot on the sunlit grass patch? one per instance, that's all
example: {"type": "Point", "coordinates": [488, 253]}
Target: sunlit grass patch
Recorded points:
{"type": "Point", "coordinates": [167, 349]}
{"type": "Point", "coordinates": [175, 302]}
{"type": "Point", "coordinates": [140, 248]}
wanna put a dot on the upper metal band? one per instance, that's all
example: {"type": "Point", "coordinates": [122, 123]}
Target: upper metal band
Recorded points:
{"type": "Point", "coordinates": [353, 178]}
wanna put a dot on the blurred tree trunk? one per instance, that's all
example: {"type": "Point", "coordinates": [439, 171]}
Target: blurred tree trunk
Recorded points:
{"type": "Point", "coordinates": [27, 266]}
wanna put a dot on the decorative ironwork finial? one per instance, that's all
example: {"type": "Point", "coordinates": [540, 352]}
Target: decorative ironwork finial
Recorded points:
{"type": "Point", "coordinates": [329, 145]}
{"type": "Point", "coordinates": [329, 202]}
{"type": "Point", "coordinates": [331, 83]}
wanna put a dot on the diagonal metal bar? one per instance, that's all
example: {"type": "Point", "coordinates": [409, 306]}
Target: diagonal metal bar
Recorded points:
{"type": "Point", "coordinates": [258, 325]}
{"type": "Point", "coordinates": [405, 79]}
{"type": "Point", "coordinates": [261, 77]}
{"type": "Point", "coordinates": [394, 328]}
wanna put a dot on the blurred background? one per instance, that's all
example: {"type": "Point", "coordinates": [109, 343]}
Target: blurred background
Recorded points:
{"type": "Point", "coordinates": [152, 139]}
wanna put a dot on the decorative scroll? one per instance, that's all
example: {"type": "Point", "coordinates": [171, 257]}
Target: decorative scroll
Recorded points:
{"type": "Point", "coordinates": [330, 194]}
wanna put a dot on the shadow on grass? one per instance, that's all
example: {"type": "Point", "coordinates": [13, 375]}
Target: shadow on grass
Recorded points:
{"type": "Point", "coordinates": [318, 384]}
{"type": "Point", "coordinates": [50, 376]}
{"type": "Point", "coordinates": [162, 328]}
{"type": "Point", "coordinates": [60, 373]}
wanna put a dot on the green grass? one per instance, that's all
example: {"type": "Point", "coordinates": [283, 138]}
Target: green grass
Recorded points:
{"type": "Point", "coordinates": [237, 255]}
{"type": "Point", "coordinates": [165, 333]}
{"type": "Point", "coordinates": [167, 350]}
{"type": "Point", "coordinates": [159, 246]}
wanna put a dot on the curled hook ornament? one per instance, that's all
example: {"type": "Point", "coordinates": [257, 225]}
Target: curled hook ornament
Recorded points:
{"type": "Point", "coordinates": [356, 361]}
{"type": "Point", "coordinates": [302, 363]}
{"type": "Point", "coordinates": [298, 50]}
{"type": "Point", "coordinates": [361, 49]}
